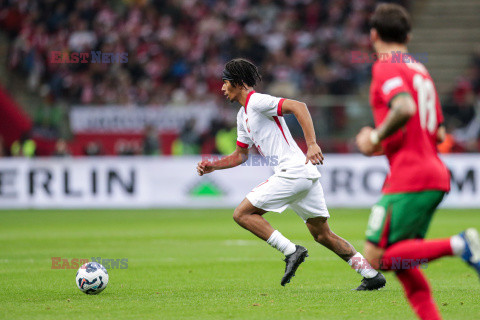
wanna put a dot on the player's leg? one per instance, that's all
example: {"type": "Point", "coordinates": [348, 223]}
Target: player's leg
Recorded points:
{"type": "Point", "coordinates": [471, 252]}
{"type": "Point", "coordinates": [396, 229]}
{"type": "Point", "coordinates": [373, 253]}
{"type": "Point", "coordinates": [415, 285]}
{"type": "Point", "coordinates": [273, 195]}
{"type": "Point", "coordinates": [322, 234]}
{"type": "Point", "coordinates": [418, 293]}
{"type": "Point", "coordinates": [407, 253]}
{"type": "Point", "coordinates": [410, 252]}
{"type": "Point", "coordinates": [395, 233]}
{"type": "Point", "coordinates": [313, 210]}
{"type": "Point", "coordinates": [250, 218]}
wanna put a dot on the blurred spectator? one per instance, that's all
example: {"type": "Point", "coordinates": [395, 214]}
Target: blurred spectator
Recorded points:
{"type": "Point", "coordinates": [125, 149]}
{"type": "Point", "coordinates": [176, 52]}
{"type": "Point", "coordinates": [24, 147]}
{"type": "Point", "coordinates": [47, 119]}
{"type": "Point", "coordinates": [176, 49]}
{"type": "Point", "coordinates": [93, 149]}
{"type": "Point", "coordinates": [462, 108]}
{"type": "Point", "coordinates": [61, 149]}
{"type": "Point", "coordinates": [459, 108]}
{"type": "Point", "coordinates": [226, 139]}
{"type": "Point", "coordinates": [151, 145]}
{"type": "Point", "coordinates": [469, 135]}
{"type": "Point", "coordinates": [189, 140]}
{"type": "Point", "coordinates": [2, 147]}
{"type": "Point", "coordinates": [447, 145]}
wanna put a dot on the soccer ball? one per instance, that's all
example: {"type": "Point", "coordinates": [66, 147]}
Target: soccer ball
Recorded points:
{"type": "Point", "coordinates": [92, 278]}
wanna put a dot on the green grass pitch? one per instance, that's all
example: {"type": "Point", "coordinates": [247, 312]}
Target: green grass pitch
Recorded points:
{"type": "Point", "coordinates": [198, 264]}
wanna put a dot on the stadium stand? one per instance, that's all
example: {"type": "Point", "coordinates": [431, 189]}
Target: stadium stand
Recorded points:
{"type": "Point", "coordinates": [176, 44]}
{"type": "Point", "coordinates": [175, 54]}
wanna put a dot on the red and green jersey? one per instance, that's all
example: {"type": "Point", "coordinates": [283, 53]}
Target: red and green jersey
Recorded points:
{"type": "Point", "coordinates": [411, 151]}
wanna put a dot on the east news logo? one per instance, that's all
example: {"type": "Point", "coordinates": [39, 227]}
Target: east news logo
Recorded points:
{"type": "Point", "coordinates": [88, 57]}
{"type": "Point", "coordinates": [75, 263]}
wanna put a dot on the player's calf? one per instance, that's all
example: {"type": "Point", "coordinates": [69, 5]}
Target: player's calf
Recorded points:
{"type": "Point", "coordinates": [250, 218]}
{"type": "Point", "coordinates": [322, 233]}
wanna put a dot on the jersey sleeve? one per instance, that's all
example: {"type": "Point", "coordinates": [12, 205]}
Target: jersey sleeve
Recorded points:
{"type": "Point", "coordinates": [389, 81]}
{"type": "Point", "coordinates": [267, 104]}
{"type": "Point", "coordinates": [243, 140]}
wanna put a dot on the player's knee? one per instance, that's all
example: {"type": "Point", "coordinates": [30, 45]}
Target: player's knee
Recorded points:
{"type": "Point", "coordinates": [238, 216]}
{"type": "Point", "coordinates": [371, 258]}
{"type": "Point", "coordinates": [374, 255]}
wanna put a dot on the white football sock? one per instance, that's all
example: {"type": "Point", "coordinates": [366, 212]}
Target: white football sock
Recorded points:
{"type": "Point", "coordinates": [361, 265]}
{"type": "Point", "coordinates": [282, 244]}
{"type": "Point", "coordinates": [458, 245]}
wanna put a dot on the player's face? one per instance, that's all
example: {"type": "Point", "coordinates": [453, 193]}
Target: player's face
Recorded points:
{"type": "Point", "coordinates": [230, 91]}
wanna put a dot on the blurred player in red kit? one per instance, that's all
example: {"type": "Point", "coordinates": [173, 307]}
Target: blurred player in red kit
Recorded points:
{"type": "Point", "coordinates": [408, 120]}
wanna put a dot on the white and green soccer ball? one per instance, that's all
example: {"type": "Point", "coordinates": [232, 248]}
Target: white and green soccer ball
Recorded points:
{"type": "Point", "coordinates": [92, 278]}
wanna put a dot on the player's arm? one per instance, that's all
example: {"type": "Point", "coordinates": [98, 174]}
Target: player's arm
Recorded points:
{"type": "Point", "coordinates": [300, 110]}
{"type": "Point", "coordinates": [239, 156]}
{"type": "Point", "coordinates": [402, 108]}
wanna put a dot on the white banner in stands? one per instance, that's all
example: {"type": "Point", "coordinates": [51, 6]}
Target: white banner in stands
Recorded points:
{"type": "Point", "coordinates": [164, 182]}
{"type": "Point", "coordinates": [115, 119]}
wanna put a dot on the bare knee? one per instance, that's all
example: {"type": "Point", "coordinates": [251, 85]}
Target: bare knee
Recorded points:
{"type": "Point", "coordinates": [238, 216]}
{"type": "Point", "coordinates": [320, 230]}
{"type": "Point", "coordinates": [373, 254]}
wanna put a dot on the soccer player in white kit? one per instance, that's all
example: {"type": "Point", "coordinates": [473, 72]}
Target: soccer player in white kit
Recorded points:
{"type": "Point", "coordinates": [295, 183]}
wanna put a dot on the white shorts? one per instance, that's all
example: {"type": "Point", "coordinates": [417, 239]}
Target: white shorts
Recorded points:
{"type": "Point", "coordinates": [304, 196]}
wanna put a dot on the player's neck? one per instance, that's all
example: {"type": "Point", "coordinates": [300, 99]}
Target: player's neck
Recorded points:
{"type": "Point", "coordinates": [243, 95]}
{"type": "Point", "coordinates": [384, 47]}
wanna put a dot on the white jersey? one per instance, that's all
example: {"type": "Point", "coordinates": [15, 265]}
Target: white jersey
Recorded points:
{"type": "Point", "coordinates": [261, 123]}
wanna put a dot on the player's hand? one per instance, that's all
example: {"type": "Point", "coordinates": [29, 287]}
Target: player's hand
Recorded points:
{"type": "Point", "coordinates": [314, 154]}
{"type": "Point", "coordinates": [364, 143]}
{"type": "Point", "coordinates": [204, 167]}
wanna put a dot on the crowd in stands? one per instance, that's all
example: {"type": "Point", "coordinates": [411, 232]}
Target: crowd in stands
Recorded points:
{"type": "Point", "coordinates": [176, 50]}
{"type": "Point", "coordinates": [462, 110]}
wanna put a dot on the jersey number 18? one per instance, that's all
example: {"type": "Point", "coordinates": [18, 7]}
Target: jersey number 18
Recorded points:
{"type": "Point", "coordinates": [426, 102]}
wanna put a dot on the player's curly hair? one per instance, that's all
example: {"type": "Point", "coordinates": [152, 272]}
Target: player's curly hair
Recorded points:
{"type": "Point", "coordinates": [241, 72]}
